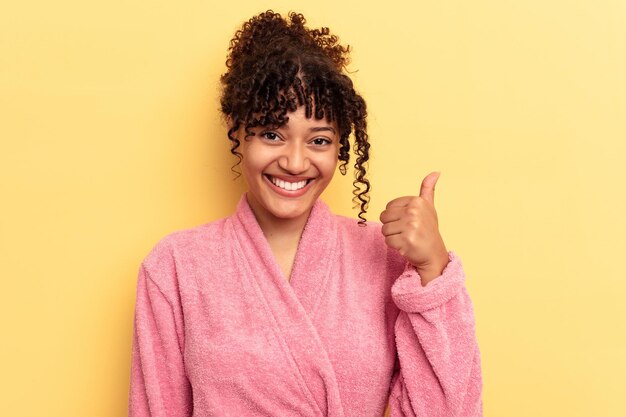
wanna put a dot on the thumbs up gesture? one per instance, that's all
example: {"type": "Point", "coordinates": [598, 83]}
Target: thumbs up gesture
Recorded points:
{"type": "Point", "coordinates": [410, 225]}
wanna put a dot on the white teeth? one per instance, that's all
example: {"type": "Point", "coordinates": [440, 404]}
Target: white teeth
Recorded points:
{"type": "Point", "coordinates": [289, 186]}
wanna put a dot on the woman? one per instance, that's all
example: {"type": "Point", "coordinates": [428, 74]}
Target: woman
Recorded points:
{"type": "Point", "coordinates": [284, 309]}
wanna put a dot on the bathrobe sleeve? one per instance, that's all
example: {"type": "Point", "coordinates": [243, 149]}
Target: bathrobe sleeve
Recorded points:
{"type": "Point", "coordinates": [438, 369]}
{"type": "Point", "coordinates": [158, 386]}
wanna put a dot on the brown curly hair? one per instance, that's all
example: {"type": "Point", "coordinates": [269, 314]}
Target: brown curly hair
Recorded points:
{"type": "Point", "coordinates": [277, 64]}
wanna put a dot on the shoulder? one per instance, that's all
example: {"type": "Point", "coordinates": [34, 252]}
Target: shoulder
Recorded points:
{"type": "Point", "coordinates": [183, 248]}
{"type": "Point", "coordinates": [368, 241]}
{"type": "Point", "coordinates": [368, 232]}
{"type": "Point", "coordinates": [186, 240]}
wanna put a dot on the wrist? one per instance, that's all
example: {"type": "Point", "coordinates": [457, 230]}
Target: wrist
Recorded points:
{"type": "Point", "coordinates": [431, 271]}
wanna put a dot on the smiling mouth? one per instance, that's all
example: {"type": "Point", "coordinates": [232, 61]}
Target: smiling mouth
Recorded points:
{"type": "Point", "coordinates": [288, 186]}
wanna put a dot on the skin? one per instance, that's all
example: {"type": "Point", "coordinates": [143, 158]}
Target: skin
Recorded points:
{"type": "Point", "coordinates": [306, 150]}
{"type": "Point", "coordinates": [410, 225]}
{"type": "Point", "coordinates": [301, 150]}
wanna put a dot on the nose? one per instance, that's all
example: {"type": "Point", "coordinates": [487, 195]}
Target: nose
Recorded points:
{"type": "Point", "coordinates": [295, 159]}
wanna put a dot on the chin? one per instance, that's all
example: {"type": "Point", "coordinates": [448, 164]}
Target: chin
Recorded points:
{"type": "Point", "coordinates": [272, 204]}
{"type": "Point", "coordinates": [288, 213]}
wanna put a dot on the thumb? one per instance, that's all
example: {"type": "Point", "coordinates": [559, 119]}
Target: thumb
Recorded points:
{"type": "Point", "coordinates": [427, 190]}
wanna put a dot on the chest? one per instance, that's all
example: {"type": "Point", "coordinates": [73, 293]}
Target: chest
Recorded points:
{"type": "Point", "coordinates": [249, 327]}
{"type": "Point", "coordinates": [285, 260]}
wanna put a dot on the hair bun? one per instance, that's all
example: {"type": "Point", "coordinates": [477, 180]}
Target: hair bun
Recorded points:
{"type": "Point", "coordinates": [269, 31]}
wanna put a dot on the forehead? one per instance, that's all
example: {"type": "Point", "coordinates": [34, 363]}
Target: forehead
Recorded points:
{"type": "Point", "coordinates": [298, 119]}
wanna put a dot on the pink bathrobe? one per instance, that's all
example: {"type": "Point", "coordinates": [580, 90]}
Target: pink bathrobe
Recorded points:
{"type": "Point", "coordinates": [219, 331]}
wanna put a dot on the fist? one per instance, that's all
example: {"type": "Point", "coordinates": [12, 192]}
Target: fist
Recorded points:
{"type": "Point", "coordinates": [410, 225]}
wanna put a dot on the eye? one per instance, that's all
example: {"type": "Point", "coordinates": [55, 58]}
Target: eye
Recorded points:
{"type": "Point", "coordinates": [321, 141]}
{"type": "Point", "coordinates": [270, 136]}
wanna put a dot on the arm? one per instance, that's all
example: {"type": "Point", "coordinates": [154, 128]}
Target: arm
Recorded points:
{"type": "Point", "coordinates": [158, 383]}
{"type": "Point", "coordinates": [439, 360]}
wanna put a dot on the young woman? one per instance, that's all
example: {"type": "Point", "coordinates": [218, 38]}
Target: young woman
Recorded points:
{"type": "Point", "coordinates": [283, 308]}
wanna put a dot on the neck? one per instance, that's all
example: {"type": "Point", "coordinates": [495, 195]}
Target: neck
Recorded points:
{"type": "Point", "coordinates": [276, 229]}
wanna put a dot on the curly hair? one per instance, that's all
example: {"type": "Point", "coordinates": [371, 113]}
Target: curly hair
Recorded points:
{"type": "Point", "coordinates": [276, 65]}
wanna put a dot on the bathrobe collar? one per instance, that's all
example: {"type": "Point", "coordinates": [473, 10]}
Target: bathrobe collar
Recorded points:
{"type": "Point", "coordinates": [316, 250]}
{"type": "Point", "coordinates": [293, 304]}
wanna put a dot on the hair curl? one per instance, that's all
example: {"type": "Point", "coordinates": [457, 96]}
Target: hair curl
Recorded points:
{"type": "Point", "coordinates": [277, 64]}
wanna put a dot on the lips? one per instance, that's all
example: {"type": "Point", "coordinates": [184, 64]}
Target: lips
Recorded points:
{"type": "Point", "coordinates": [292, 187]}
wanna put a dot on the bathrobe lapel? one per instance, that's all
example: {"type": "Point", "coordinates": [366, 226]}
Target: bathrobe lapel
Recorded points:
{"type": "Point", "coordinates": [292, 305]}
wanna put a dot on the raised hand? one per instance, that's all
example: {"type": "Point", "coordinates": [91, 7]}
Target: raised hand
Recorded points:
{"type": "Point", "coordinates": [410, 225]}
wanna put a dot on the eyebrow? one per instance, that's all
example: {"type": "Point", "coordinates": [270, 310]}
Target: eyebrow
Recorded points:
{"type": "Point", "coordinates": [312, 129]}
{"type": "Point", "coordinates": [322, 129]}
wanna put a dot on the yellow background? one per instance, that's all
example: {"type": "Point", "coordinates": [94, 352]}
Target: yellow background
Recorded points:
{"type": "Point", "coordinates": [110, 139]}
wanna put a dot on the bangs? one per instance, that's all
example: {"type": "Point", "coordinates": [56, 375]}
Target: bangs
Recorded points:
{"type": "Point", "coordinates": [270, 101]}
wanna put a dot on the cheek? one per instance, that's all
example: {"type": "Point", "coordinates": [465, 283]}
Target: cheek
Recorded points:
{"type": "Point", "coordinates": [328, 165]}
{"type": "Point", "coordinates": [253, 160]}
